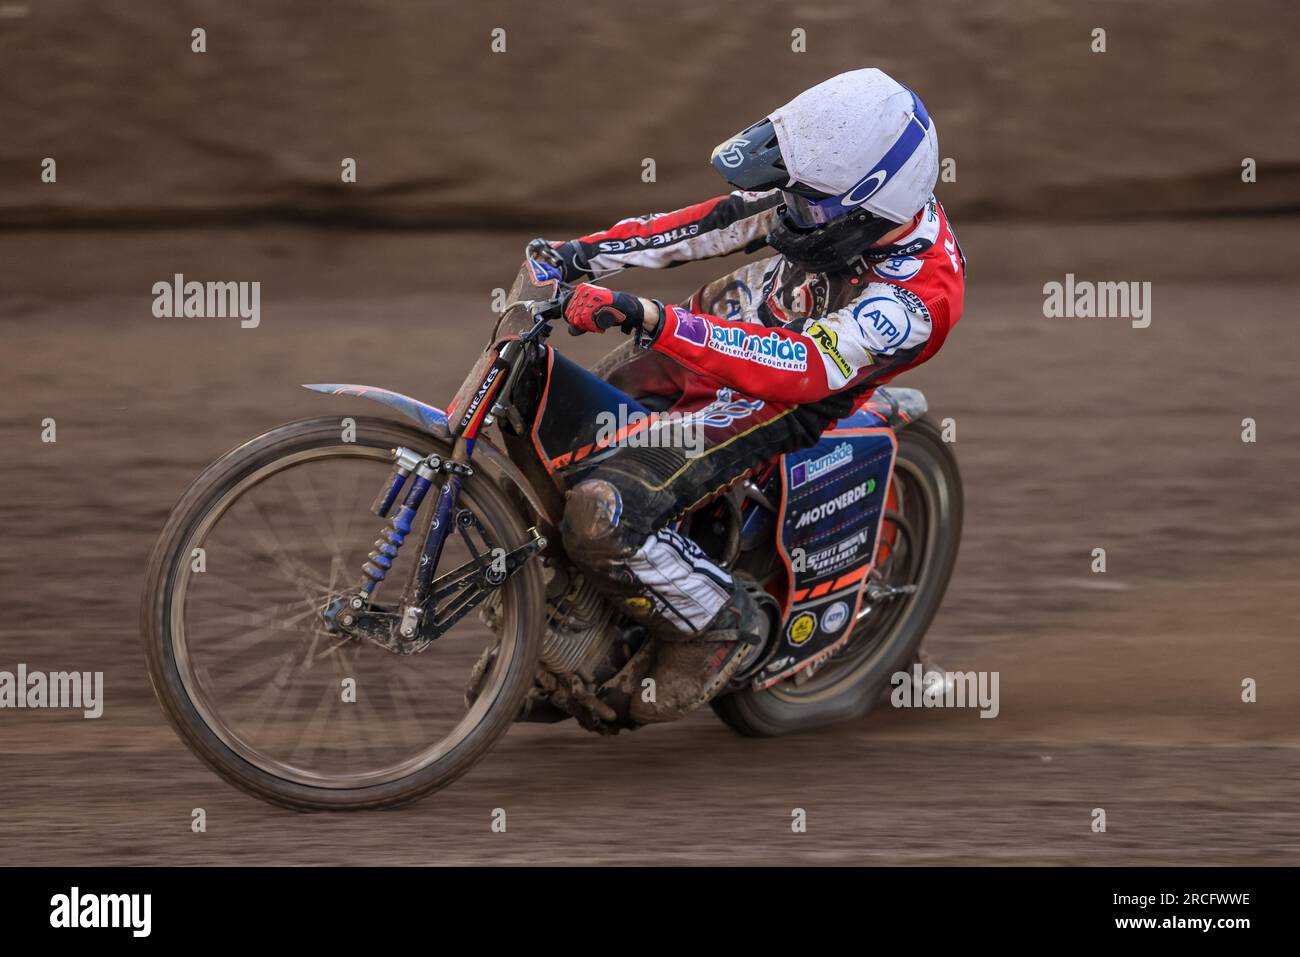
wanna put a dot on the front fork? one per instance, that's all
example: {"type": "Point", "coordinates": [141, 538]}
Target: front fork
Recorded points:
{"type": "Point", "coordinates": [358, 616]}
{"type": "Point", "coordinates": [416, 594]}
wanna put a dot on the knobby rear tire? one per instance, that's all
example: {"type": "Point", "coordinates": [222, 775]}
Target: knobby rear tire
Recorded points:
{"type": "Point", "coordinates": [770, 713]}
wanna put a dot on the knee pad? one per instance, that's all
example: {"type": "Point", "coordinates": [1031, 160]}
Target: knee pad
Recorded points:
{"type": "Point", "coordinates": [593, 513]}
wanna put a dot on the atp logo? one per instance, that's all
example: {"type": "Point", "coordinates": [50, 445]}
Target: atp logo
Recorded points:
{"type": "Point", "coordinates": [889, 322]}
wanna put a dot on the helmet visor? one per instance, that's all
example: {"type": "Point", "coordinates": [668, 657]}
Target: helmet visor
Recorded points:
{"type": "Point", "coordinates": [805, 213]}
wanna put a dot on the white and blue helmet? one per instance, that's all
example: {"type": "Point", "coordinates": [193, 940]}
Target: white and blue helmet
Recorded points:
{"type": "Point", "coordinates": [854, 156]}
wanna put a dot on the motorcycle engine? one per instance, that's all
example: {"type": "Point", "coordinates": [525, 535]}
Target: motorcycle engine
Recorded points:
{"type": "Point", "coordinates": [580, 628]}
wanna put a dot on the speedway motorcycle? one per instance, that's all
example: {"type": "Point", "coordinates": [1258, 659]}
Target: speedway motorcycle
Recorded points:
{"type": "Point", "coordinates": [319, 667]}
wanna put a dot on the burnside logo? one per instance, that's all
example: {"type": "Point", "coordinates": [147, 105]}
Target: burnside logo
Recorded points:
{"type": "Point", "coordinates": [838, 503]}
{"type": "Point", "coordinates": [805, 472]}
{"type": "Point", "coordinates": [772, 349]}
{"type": "Point", "coordinates": [74, 910]}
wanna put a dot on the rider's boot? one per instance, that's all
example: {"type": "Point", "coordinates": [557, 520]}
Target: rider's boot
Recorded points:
{"type": "Point", "coordinates": [690, 671]}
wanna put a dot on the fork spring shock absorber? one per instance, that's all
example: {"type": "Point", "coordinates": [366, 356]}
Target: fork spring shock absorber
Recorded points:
{"type": "Point", "coordinates": [399, 525]}
{"type": "Point", "coordinates": [404, 463]}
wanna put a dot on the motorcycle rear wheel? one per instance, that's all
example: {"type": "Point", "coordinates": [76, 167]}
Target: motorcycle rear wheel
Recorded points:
{"type": "Point", "coordinates": [886, 640]}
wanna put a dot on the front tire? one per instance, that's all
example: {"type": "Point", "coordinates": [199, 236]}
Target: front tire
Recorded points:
{"type": "Point", "coordinates": [272, 766]}
{"type": "Point", "coordinates": [929, 500]}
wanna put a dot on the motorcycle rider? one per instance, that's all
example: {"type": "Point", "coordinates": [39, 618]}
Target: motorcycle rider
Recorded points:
{"type": "Point", "coordinates": [866, 283]}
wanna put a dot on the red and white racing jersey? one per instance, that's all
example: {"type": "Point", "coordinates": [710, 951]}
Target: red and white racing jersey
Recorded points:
{"type": "Point", "coordinates": [775, 331]}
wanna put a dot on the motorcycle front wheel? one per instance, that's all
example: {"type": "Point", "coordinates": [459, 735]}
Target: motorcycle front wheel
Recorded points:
{"type": "Point", "coordinates": [243, 662]}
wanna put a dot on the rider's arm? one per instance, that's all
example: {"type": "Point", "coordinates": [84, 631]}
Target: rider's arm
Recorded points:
{"type": "Point", "coordinates": [716, 227]}
{"type": "Point", "coordinates": [883, 324]}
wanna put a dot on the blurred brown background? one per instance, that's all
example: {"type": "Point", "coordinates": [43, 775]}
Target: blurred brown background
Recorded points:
{"type": "Point", "coordinates": [1119, 691]}
{"type": "Point", "coordinates": [554, 129]}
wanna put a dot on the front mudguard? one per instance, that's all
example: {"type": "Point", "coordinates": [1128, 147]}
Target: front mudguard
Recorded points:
{"type": "Point", "coordinates": [488, 459]}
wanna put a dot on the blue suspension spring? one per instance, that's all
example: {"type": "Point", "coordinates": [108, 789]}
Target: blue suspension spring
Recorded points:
{"type": "Point", "coordinates": [399, 525]}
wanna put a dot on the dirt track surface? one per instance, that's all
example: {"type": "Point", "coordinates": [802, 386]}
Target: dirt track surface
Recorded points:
{"type": "Point", "coordinates": [1119, 691]}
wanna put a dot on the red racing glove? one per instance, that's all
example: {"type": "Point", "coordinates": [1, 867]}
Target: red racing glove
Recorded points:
{"type": "Point", "coordinates": [595, 309]}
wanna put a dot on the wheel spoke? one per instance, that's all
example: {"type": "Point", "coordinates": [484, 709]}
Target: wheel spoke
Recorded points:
{"type": "Point", "coordinates": [263, 669]}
